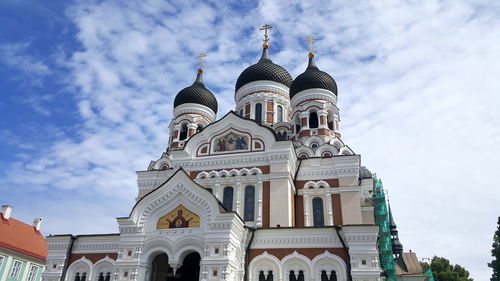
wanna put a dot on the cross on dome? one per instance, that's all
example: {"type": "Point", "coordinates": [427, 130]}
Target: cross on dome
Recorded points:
{"type": "Point", "coordinates": [266, 27]}
{"type": "Point", "coordinates": [200, 64]}
{"type": "Point", "coordinates": [310, 39]}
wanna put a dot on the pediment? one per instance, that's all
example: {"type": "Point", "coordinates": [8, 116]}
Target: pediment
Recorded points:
{"type": "Point", "coordinates": [177, 203]}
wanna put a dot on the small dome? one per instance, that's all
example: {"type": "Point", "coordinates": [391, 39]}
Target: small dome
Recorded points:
{"type": "Point", "coordinates": [265, 69]}
{"type": "Point", "coordinates": [313, 78]}
{"type": "Point", "coordinates": [197, 93]}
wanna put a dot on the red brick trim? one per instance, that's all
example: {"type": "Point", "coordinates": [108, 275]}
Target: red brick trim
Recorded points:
{"type": "Point", "coordinates": [337, 209]}
{"type": "Point", "coordinates": [92, 257]}
{"type": "Point", "coordinates": [266, 206]}
{"type": "Point", "coordinates": [311, 253]}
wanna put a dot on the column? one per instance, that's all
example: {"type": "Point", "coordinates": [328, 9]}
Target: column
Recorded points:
{"type": "Point", "coordinates": [177, 128]}
{"type": "Point", "coordinates": [217, 192]}
{"type": "Point", "coordinates": [329, 208]}
{"type": "Point", "coordinates": [322, 115]}
{"type": "Point", "coordinates": [307, 208]}
{"type": "Point", "coordinates": [191, 129]}
{"type": "Point", "coordinates": [259, 204]}
{"type": "Point", "coordinates": [238, 198]}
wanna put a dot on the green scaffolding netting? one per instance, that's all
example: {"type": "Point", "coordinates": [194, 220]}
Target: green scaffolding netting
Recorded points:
{"type": "Point", "coordinates": [384, 242]}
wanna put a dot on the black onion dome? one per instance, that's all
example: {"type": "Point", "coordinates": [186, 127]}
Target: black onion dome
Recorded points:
{"type": "Point", "coordinates": [313, 78]}
{"type": "Point", "coordinates": [197, 93]}
{"type": "Point", "coordinates": [264, 69]}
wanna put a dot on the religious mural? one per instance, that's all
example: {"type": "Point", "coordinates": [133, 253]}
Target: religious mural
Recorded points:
{"type": "Point", "coordinates": [231, 142]}
{"type": "Point", "coordinates": [180, 217]}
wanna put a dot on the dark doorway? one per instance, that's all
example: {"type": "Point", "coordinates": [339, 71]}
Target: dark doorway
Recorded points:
{"type": "Point", "coordinates": [161, 270]}
{"type": "Point", "coordinates": [190, 270]}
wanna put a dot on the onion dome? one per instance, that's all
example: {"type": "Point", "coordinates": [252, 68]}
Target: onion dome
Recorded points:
{"type": "Point", "coordinates": [197, 93]}
{"type": "Point", "coordinates": [264, 69]}
{"type": "Point", "coordinates": [313, 78]}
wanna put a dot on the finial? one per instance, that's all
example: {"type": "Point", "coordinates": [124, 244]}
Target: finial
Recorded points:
{"type": "Point", "coordinates": [266, 27]}
{"type": "Point", "coordinates": [200, 64]}
{"type": "Point", "coordinates": [310, 39]}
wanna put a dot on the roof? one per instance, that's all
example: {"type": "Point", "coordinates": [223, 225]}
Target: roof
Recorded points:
{"type": "Point", "coordinates": [264, 69]}
{"type": "Point", "coordinates": [408, 264]}
{"type": "Point", "coordinates": [22, 238]}
{"type": "Point", "coordinates": [313, 78]}
{"type": "Point", "coordinates": [197, 93]}
{"type": "Point", "coordinates": [364, 173]}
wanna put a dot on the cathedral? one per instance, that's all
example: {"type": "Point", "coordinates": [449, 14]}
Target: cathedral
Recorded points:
{"type": "Point", "coordinates": [267, 192]}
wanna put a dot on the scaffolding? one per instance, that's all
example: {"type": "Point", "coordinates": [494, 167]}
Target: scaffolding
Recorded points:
{"type": "Point", "coordinates": [384, 240]}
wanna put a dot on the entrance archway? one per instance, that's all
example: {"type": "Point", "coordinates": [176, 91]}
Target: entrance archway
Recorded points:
{"type": "Point", "coordinates": [190, 269]}
{"type": "Point", "coordinates": [160, 269]}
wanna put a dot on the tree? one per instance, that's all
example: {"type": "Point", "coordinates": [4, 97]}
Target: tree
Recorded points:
{"type": "Point", "coordinates": [444, 271]}
{"type": "Point", "coordinates": [495, 252]}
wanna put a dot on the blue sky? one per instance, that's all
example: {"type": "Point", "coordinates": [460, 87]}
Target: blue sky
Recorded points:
{"type": "Point", "coordinates": [87, 90]}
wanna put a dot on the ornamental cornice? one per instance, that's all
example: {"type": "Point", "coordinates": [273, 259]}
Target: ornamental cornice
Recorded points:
{"type": "Point", "coordinates": [58, 246]}
{"type": "Point", "coordinates": [241, 161]}
{"type": "Point", "coordinates": [219, 226]}
{"type": "Point", "coordinates": [194, 108]}
{"type": "Point", "coordinates": [302, 241]}
{"type": "Point", "coordinates": [92, 246]}
{"type": "Point", "coordinates": [256, 96]}
{"type": "Point", "coordinates": [330, 173]}
{"type": "Point", "coordinates": [261, 86]}
{"type": "Point", "coordinates": [130, 229]}
{"type": "Point", "coordinates": [313, 94]}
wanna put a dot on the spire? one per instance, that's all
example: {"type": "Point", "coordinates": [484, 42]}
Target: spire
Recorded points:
{"type": "Point", "coordinates": [392, 225]}
{"type": "Point", "coordinates": [397, 247]}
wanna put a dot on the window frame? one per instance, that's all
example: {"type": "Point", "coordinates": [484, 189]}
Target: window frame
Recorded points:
{"type": "Point", "coordinates": [279, 114]}
{"type": "Point", "coordinates": [2, 258]}
{"type": "Point", "coordinates": [249, 207]}
{"type": "Point", "coordinates": [35, 272]}
{"type": "Point", "coordinates": [16, 276]}
{"type": "Point", "coordinates": [315, 217]}
{"type": "Point", "coordinates": [224, 200]}
{"type": "Point", "coordinates": [258, 112]}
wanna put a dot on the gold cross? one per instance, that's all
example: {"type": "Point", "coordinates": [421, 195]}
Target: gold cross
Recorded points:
{"type": "Point", "coordinates": [265, 27]}
{"type": "Point", "coordinates": [310, 39]}
{"type": "Point", "coordinates": [201, 56]}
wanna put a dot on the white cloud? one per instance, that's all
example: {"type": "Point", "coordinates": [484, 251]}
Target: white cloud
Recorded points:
{"type": "Point", "coordinates": [422, 110]}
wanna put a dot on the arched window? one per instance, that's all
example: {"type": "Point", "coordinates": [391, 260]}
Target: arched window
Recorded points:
{"type": "Point", "coordinates": [258, 113]}
{"type": "Point", "coordinates": [77, 276]}
{"type": "Point", "coordinates": [313, 120]}
{"type": "Point", "coordinates": [262, 276]}
{"type": "Point", "coordinates": [84, 276]}
{"type": "Point", "coordinates": [101, 276]}
{"type": "Point", "coordinates": [299, 277]}
{"type": "Point", "coordinates": [328, 277]}
{"type": "Point", "coordinates": [318, 215]}
{"type": "Point", "coordinates": [227, 200]}
{"type": "Point", "coordinates": [280, 114]}
{"type": "Point", "coordinates": [184, 132]}
{"type": "Point", "coordinates": [108, 276]}
{"type": "Point", "coordinates": [249, 213]}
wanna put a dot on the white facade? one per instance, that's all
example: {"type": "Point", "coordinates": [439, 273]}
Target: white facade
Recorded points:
{"type": "Point", "coordinates": [281, 199]}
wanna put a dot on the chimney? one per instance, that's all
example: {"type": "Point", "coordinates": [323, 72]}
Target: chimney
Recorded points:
{"type": "Point", "coordinates": [6, 210]}
{"type": "Point", "coordinates": [37, 223]}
